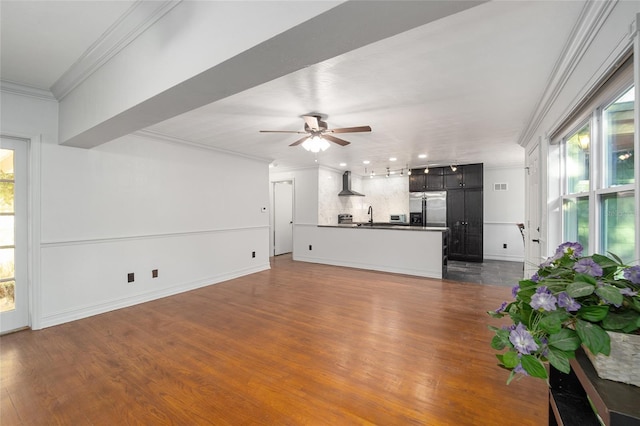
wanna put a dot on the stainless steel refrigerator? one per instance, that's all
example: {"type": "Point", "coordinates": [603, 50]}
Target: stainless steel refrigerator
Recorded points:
{"type": "Point", "coordinates": [428, 208]}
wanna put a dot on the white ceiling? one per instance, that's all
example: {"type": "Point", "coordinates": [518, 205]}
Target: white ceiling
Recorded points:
{"type": "Point", "coordinates": [461, 89]}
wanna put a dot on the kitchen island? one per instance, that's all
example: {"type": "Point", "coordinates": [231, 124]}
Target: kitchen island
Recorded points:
{"type": "Point", "coordinates": [411, 250]}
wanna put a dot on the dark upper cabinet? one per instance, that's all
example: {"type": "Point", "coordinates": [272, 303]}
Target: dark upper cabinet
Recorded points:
{"type": "Point", "coordinates": [466, 176]}
{"type": "Point", "coordinates": [417, 181]}
{"type": "Point", "coordinates": [420, 181]}
{"type": "Point", "coordinates": [435, 179]}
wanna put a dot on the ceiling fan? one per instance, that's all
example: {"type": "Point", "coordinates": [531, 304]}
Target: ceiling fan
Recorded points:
{"type": "Point", "coordinates": [318, 133]}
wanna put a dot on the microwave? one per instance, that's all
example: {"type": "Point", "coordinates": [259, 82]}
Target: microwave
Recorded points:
{"type": "Point", "coordinates": [398, 218]}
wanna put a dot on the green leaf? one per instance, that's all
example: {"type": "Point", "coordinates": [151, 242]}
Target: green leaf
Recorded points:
{"type": "Point", "coordinates": [534, 366]}
{"type": "Point", "coordinates": [593, 337]}
{"type": "Point", "coordinates": [525, 294]}
{"type": "Point", "coordinates": [559, 359]}
{"type": "Point", "coordinates": [593, 313]}
{"type": "Point", "coordinates": [580, 289]}
{"type": "Point", "coordinates": [500, 340]}
{"type": "Point", "coordinates": [524, 284]}
{"type": "Point", "coordinates": [615, 321]}
{"type": "Point", "coordinates": [552, 323]}
{"type": "Point", "coordinates": [497, 343]}
{"type": "Point", "coordinates": [526, 314]}
{"type": "Point", "coordinates": [585, 278]}
{"type": "Point", "coordinates": [510, 359]}
{"type": "Point", "coordinates": [565, 340]}
{"type": "Point", "coordinates": [605, 262]}
{"type": "Point", "coordinates": [631, 327]}
{"type": "Point", "coordinates": [610, 294]}
{"type": "Point", "coordinates": [495, 314]}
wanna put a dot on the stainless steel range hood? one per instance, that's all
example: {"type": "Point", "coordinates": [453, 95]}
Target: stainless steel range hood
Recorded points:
{"type": "Point", "coordinates": [346, 186]}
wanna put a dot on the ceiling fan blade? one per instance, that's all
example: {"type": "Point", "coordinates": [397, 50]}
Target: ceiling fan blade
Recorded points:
{"type": "Point", "coordinates": [312, 122]}
{"type": "Point", "coordinates": [283, 131]}
{"type": "Point", "coordinates": [336, 140]}
{"type": "Point", "coordinates": [299, 141]}
{"type": "Point", "coordinates": [351, 129]}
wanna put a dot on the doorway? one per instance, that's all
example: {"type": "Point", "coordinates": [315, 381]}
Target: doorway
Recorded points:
{"type": "Point", "coordinates": [283, 217]}
{"type": "Point", "coordinates": [14, 297]}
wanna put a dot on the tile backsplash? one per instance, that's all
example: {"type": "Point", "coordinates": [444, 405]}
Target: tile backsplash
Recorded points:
{"type": "Point", "coordinates": [386, 196]}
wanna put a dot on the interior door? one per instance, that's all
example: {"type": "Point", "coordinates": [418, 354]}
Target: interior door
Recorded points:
{"type": "Point", "coordinates": [532, 244]}
{"type": "Point", "coordinates": [283, 217]}
{"type": "Point", "coordinates": [14, 302]}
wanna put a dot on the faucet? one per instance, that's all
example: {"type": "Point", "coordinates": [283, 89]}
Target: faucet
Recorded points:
{"type": "Point", "coordinates": [370, 211]}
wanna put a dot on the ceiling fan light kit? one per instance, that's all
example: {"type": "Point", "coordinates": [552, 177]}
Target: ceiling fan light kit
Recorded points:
{"type": "Point", "coordinates": [318, 134]}
{"type": "Point", "coordinates": [315, 144]}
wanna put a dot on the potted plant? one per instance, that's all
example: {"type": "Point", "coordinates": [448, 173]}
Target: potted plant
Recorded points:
{"type": "Point", "coordinates": [572, 300]}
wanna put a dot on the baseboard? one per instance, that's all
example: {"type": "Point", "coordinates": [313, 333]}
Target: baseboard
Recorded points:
{"type": "Point", "coordinates": [506, 258]}
{"type": "Point", "coordinates": [372, 267]}
{"type": "Point", "coordinates": [112, 305]}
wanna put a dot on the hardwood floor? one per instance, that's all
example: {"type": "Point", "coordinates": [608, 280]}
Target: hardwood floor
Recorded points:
{"type": "Point", "coordinates": [300, 344]}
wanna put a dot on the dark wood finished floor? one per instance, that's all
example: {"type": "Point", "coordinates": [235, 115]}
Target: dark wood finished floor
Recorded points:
{"type": "Point", "coordinates": [300, 344]}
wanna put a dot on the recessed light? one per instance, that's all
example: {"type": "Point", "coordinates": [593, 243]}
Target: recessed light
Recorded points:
{"type": "Point", "coordinates": [343, 164]}
{"type": "Point", "coordinates": [366, 162]}
{"type": "Point", "coordinates": [422, 156]}
{"type": "Point", "coordinates": [392, 159]}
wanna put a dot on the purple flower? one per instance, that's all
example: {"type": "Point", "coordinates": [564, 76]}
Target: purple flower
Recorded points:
{"type": "Point", "coordinates": [518, 369]}
{"type": "Point", "coordinates": [535, 278]}
{"type": "Point", "coordinates": [572, 249]}
{"type": "Point", "coordinates": [501, 308]}
{"type": "Point", "coordinates": [543, 299]}
{"type": "Point", "coordinates": [567, 302]}
{"type": "Point", "coordinates": [628, 292]}
{"type": "Point", "coordinates": [588, 266]}
{"type": "Point", "coordinates": [522, 340]}
{"type": "Point", "coordinates": [515, 289]}
{"type": "Point", "coordinates": [545, 346]}
{"type": "Point", "coordinates": [633, 274]}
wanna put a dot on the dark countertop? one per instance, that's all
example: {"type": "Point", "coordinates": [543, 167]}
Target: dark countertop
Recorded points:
{"type": "Point", "coordinates": [386, 225]}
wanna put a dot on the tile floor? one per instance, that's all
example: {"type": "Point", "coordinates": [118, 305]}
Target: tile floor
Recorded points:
{"type": "Point", "coordinates": [494, 272]}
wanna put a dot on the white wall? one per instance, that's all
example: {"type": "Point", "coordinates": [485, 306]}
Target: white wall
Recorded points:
{"type": "Point", "coordinates": [502, 210]}
{"type": "Point", "coordinates": [133, 205]}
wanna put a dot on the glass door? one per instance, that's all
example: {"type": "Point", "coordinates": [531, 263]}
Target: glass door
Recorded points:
{"type": "Point", "coordinates": [14, 306]}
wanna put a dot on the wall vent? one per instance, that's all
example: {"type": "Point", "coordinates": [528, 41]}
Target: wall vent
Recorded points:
{"type": "Point", "coordinates": [499, 186]}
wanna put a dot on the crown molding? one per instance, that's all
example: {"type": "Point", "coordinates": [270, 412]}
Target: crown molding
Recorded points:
{"type": "Point", "coordinates": [591, 19]}
{"type": "Point", "coordinates": [135, 21]}
{"type": "Point", "coordinates": [7, 86]}
{"type": "Point", "coordinates": [161, 137]}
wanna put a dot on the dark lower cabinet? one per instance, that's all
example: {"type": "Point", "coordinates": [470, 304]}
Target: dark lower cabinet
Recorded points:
{"type": "Point", "coordinates": [465, 221]}
{"type": "Point", "coordinates": [581, 398]}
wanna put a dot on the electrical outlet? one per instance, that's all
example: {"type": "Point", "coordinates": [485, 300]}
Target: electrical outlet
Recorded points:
{"type": "Point", "coordinates": [130, 277]}
{"type": "Point", "coordinates": [504, 245]}
{"type": "Point", "coordinates": [154, 273]}
{"type": "Point", "coordinates": [253, 254]}
{"type": "Point", "coordinates": [310, 247]}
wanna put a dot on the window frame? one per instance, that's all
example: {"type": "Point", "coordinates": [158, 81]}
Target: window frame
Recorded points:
{"type": "Point", "coordinates": [592, 113]}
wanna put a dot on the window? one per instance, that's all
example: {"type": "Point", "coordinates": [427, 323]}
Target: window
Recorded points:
{"type": "Point", "coordinates": [598, 175]}
{"type": "Point", "coordinates": [618, 141]}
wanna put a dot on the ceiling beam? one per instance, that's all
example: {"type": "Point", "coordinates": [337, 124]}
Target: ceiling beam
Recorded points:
{"type": "Point", "coordinates": [95, 113]}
